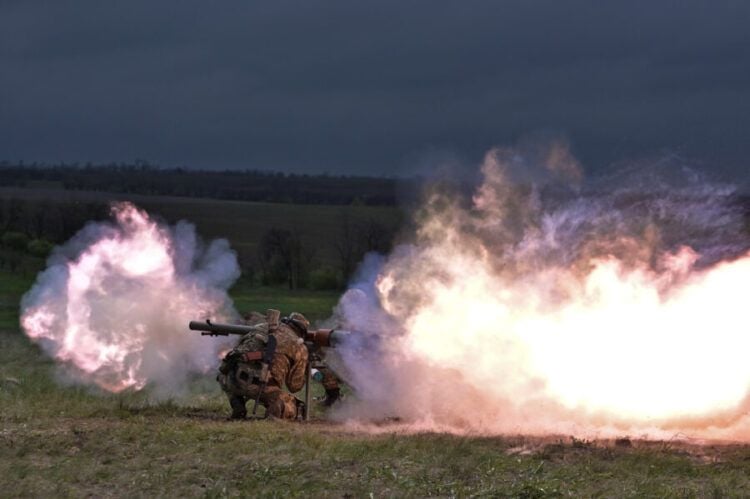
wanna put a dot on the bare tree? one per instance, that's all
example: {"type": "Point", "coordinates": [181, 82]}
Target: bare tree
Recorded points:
{"type": "Point", "coordinates": [355, 240]}
{"type": "Point", "coordinates": [282, 255]}
{"type": "Point", "coordinates": [347, 246]}
{"type": "Point", "coordinates": [374, 236]}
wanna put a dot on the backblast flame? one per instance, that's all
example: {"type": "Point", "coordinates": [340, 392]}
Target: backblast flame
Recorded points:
{"type": "Point", "coordinates": [599, 314]}
{"type": "Point", "coordinates": [115, 300]}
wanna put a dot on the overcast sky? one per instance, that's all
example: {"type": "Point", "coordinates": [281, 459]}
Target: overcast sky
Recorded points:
{"type": "Point", "coordinates": [381, 87]}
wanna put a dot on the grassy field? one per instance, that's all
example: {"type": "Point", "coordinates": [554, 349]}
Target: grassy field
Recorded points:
{"type": "Point", "coordinates": [316, 305]}
{"type": "Point", "coordinates": [58, 440]}
{"type": "Point", "coordinates": [12, 287]}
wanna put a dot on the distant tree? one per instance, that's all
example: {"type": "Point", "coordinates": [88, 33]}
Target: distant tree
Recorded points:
{"type": "Point", "coordinates": [374, 236]}
{"type": "Point", "coordinates": [11, 214]}
{"type": "Point", "coordinates": [355, 240]}
{"type": "Point", "coordinates": [15, 240]}
{"type": "Point", "coordinates": [141, 177]}
{"type": "Point", "coordinates": [346, 246]}
{"type": "Point", "coordinates": [282, 255]}
{"type": "Point", "coordinates": [39, 247]}
{"type": "Point", "coordinates": [247, 266]}
{"type": "Point", "coordinates": [324, 278]}
{"type": "Point", "coordinates": [35, 214]}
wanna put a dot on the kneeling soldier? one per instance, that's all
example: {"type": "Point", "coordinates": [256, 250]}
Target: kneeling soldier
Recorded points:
{"type": "Point", "coordinates": [329, 380]}
{"type": "Point", "coordinates": [265, 360]}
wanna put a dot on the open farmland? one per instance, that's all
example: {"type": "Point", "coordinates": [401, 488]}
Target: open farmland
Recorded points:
{"type": "Point", "coordinates": [242, 223]}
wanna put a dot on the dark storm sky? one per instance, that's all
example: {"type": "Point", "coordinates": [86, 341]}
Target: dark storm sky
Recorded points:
{"type": "Point", "coordinates": [380, 87]}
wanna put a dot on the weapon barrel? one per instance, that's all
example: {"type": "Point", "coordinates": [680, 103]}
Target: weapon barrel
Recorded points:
{"type": "Point", "coordinates": [222, 329]}
{"type": "Point", "coordinates": [328, 337]}
{"type": "Point", "coordinates": [338, 336]}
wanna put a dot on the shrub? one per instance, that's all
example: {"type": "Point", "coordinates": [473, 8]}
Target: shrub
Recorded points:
{"type": "Point", "coordinates": [324, 278]}
{"type": "Point", "coordinates": [15, 240]}
{"type": "Point", "coordinates": [39, 247]}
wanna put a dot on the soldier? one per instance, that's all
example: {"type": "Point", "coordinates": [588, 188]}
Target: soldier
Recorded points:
{"type": "Point", "coordinates": [243, 376]}
{"type": "Point", "coordinates": [330, 382]}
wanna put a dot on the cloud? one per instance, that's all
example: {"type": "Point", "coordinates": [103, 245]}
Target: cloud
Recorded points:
{"type": "Point", "coordinates": [365, 87]}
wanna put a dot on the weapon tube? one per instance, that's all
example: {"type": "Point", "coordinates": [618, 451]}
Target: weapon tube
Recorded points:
{"type": "Point", "coordinates": [211, 329]}
{"type": "Point", "coordinates": [328, 337]}
{"type": "Point", "coordinates": [320, 337]}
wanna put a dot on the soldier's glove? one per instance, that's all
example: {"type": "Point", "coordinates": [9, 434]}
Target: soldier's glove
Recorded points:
{"type": "Point", "coordinates": [332, 395]}
{"type": "Point", "coordinates": [228, 363]}
{"type": "Point", "coordinates": [225, 367]}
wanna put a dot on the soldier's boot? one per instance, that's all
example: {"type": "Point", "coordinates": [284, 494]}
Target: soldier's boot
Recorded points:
{"type": "Point", "coordinates": [239, 411]}
{"type": "Point", "coordinates": [281, 405]}
{"type": "Point", "coordinates": [301, 409]}
{"type": "Point", "coordinates": [331, 386]}
{"type": "Point", "coordinates": [332, 395]}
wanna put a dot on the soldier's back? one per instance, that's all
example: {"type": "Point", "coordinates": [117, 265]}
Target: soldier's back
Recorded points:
{"type": "Point", "coordinates": [254, 341]}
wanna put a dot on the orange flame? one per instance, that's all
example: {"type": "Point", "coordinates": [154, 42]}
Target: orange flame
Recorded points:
{"type": "Point", "coordinates": [503, 330]}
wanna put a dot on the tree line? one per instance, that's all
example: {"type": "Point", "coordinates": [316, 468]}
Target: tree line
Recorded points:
{"type": "Point", "coordinates": [246, 185]}
{"type": "Point", "coordinates": [30, 228]}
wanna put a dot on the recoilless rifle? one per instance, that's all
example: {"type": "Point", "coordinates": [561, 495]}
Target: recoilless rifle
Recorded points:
{"type": "Point", "coordinates": [318, 337]}
{"type": "Point", "coordinates": [314, 340]}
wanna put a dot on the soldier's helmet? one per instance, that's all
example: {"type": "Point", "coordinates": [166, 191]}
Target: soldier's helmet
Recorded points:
{"type": "Point", "coordinates": [299, 322]}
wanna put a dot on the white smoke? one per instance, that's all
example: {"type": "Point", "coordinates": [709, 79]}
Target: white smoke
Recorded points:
{"type": "Point", "coordinates": [114, 302]}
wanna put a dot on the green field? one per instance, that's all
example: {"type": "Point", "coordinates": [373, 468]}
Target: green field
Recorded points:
{"type": "Point", "coordinates": [58, 440]}
{"type": "Point", "coordinates": [12, 287]}
{"type": "Point", "coordinates": [316, 305]}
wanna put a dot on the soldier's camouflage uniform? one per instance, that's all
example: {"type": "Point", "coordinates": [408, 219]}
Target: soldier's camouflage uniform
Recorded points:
{"type": "Point", "coordinates": [330, 380]}
{"type": "Point", "coordinates": [240, 379]}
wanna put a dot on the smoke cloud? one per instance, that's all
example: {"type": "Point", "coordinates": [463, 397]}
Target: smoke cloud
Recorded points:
{"type": "Point", "coordinates": [541, 308]}
{"type": "Point", "coordinates": [114, 302]}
